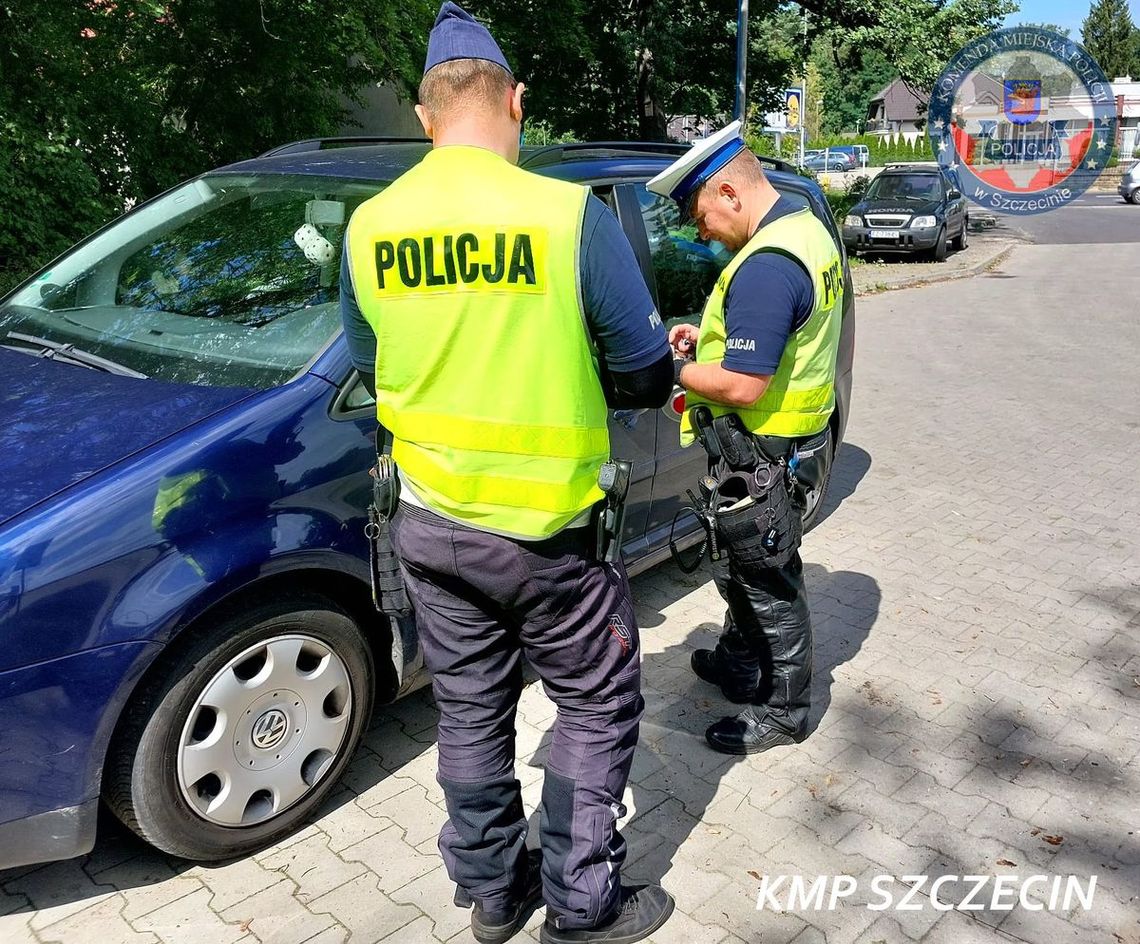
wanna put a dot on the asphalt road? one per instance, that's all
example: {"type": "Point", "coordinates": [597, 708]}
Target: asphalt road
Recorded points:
{"type": "Point", "coordinates": [1094, 217]}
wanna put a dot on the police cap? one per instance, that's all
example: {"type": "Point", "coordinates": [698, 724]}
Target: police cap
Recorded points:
{"type": "Point", "coordinates": [458, 35]}
{"type": "Point", "coordinates": [681, 179]}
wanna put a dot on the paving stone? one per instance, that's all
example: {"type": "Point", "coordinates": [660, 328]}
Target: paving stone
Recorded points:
{"type": "Point", "coordinates": [234, 881]}
{"type": "Point", "coordinates": [366, 912]}
{"type": "Point", "coordinates": [955, 927]}
{"type": "Point", "coordinates": [189, 920]}
{"type": "Point", "coordinates": [12, 904]}
{"type": "Point", "coordinates": [681, 929]}
{"type": "Point", "coordinates": [57, 891]}
{"type": "Point", "coordinates": [895, 856]}
{"type": "Point", "coordinates": [352, 823]}
{"type": "Point", "coordinates": [15, 930]}
{"type": "Point", "coordinates": [391, 859]}
{"type": "Point", "coordinates": [1022, 802]}
{"type": "Point", "coordinates": [336, 934]}
{"type": "Point", "coordinates": [891, 813]}
{"type": "Point", "coordinates": [103, 922]}
{"type": "Point", "coordinates": [418, 932]}
{"type": "Point", "coordinates": [313, 867]}
{"type": "Point", "coordinates": [884, 931]}
{"type": "Point", "coordinates": [411, 810]}
{"type": "Point", "coordinates": [432, 893]}
{"type": "Point", "coordinates": [734, 909]}
{"type": "Point", "coordinates": [277, 916]}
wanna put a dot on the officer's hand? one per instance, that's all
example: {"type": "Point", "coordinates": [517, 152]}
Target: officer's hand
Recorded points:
{"type": "Point", "coordinates": [683, 338]}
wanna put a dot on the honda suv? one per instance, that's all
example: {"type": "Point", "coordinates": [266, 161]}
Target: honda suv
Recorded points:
{"type": "Point", "coordinates": [909, 208]}
{"type": "Point", "coordinates": [185, 605]}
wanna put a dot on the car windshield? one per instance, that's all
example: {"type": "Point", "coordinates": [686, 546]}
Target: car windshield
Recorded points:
{"type": "Point", "coordinates": [228, 280]}
{"type": "Point", "coordinates": [923, 187]}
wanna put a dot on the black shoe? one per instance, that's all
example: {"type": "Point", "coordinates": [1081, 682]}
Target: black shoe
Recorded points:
{"type": "Point", "coordinates": [498, 927]}
{"type": "Point", "coordinates": [747, 734]}
{"type": "Point", "coordinates": [707, 667]}
{"type": "Point", "coordinates": [644, 909]}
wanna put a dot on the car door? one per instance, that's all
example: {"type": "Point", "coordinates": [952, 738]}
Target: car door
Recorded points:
{"type": "Point", "coordinates": [680, 272]}
{"type": "Point", "coordinates": [633, 436]}
{"type": "Point", "coordinates": [955, 203]}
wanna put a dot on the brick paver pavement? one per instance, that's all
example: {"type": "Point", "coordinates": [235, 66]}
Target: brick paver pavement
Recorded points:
{"type": "Point", "coordinates": [976, 592]}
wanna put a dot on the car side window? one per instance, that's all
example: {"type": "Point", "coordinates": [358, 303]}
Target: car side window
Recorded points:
{"type": "Point", "coordinates": [684, 267]}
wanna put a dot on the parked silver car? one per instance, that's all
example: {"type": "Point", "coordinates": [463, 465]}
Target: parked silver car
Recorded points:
{"type": "Point", "coordinates": [1130, 184]}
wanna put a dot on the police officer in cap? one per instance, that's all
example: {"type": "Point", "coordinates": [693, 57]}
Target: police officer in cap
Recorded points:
{"type": "Point", "coordinates": [496, 314]}
{"type": "Point", "coordinates": [766, 351]}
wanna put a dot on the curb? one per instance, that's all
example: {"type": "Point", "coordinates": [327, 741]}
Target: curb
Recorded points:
{"type": "Point", "coordinates": [977, 268]}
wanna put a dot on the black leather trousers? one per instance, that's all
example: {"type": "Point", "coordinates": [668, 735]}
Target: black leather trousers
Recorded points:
{"type": "Point", "coordinates": [765, 651]}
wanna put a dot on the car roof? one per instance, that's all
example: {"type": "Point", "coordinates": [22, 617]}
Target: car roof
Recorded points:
{"type": "Point", "coordinates": [384, 159]}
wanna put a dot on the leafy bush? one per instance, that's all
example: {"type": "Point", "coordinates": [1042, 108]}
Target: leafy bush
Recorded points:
{"type": "Point", "coordinates": [841, 201]}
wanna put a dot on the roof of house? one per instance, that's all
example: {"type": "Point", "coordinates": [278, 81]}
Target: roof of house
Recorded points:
{"type": "Point", "coordinates": [899, 102]}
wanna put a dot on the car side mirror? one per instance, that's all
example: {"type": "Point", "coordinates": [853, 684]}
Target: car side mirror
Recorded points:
{"type": "Point", "coordinates": [953, 194]}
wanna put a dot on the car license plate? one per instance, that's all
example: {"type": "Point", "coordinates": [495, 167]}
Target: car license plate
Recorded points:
{"type": "Point", "coordinates": [884, 234]}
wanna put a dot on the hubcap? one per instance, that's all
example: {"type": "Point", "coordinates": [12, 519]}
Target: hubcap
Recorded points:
{"type": "Point", "coordinates": [264, 731]}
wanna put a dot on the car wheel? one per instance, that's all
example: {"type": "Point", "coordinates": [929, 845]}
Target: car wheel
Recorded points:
{"type": "Point", "coordinates": [963, 239]}
{"type": "Point", "coordinates": [1134, 197]}
{"type": "Point", "coordinates": [242, 730]}
{"type": "Point", "coordinates": [938, 253]}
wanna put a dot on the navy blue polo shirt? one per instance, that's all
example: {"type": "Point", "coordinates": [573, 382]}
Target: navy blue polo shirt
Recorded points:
{"type": "Point", "coordinates": [769, 297]}
{"type": "Point", "coordinates": [621, 315]}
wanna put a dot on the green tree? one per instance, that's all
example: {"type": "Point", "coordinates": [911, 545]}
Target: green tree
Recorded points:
{"type": "Point", "coordinates": [1109, 34]}
{"type": "Point", "coordinates": [849, 76]}
{"type": "Point", "coordinates": [917, 37]}
{"type": "Point", "coordinates": [598, 69]}
{"type": "Point", "coordinates": [103, 104]}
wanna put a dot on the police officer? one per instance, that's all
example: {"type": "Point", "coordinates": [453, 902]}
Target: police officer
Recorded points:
{"type": "Point", "coordinates": [496, 314]}
{"type": "Point", "coordinates": [765, 350]}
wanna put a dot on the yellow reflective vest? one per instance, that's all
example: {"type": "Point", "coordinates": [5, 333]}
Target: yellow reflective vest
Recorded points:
{"type": "Point", "coordinates": [466, 268]}
{"type": "Point", "coordinates": [801, 395]}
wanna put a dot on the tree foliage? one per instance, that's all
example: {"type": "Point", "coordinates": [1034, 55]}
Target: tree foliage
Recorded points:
{"type": "Point", "coordinates": [917, 37]}
{"type": "Point", "coordinates": [603, 70]}
{"type": "Point", "coordinates": [106, 103]}
{"type": "Point", "coordinates": [1110, 35]}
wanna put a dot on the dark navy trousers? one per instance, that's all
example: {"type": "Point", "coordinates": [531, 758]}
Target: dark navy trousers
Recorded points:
{"type": "Point", "coordinates": [481, 601]}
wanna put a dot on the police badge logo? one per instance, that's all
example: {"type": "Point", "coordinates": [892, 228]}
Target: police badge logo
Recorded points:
{"type": "Point", "coordinates": [1025, 118]}
{"type": "Point", "coordinates": [1022, 100]}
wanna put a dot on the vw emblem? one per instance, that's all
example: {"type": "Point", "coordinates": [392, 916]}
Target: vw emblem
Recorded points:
{"type": "Point", "coordinates": [269, 730]}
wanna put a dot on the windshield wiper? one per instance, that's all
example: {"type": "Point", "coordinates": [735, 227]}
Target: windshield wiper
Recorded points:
{"type": "Point", "coordinates": [54, 351]}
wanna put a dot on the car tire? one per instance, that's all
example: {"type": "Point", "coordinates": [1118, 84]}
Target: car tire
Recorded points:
{"type": "Point", "coordinates": [1134, 197]}
{"type": "Point", "coordinates": [938, 253]}
{"type": "Point", "coordinates": [194, 767]}
{"type": "Point", "coordinates": [963, 240]}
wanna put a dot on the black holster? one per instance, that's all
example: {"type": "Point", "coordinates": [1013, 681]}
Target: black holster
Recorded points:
{"type": "Point", "coordinates": [388, 591]}
{"type": "Point", "coordinates": [746, 504]}
{"type": "Point", "coordinates": [609, 513]}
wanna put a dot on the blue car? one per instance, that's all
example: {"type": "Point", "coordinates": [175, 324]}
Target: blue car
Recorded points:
{"type": "Point", "coordinates": [185, 609]}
